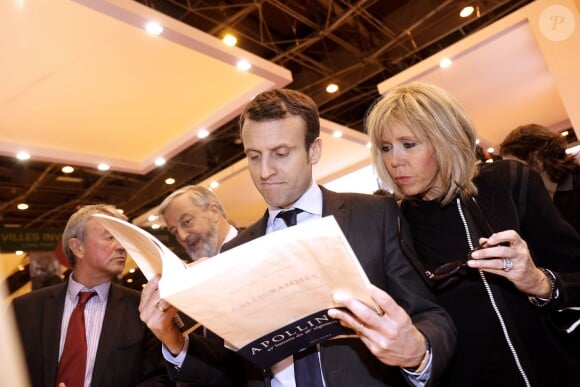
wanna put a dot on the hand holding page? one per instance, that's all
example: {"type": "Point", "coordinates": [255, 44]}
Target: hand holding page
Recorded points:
{"type": "Point", "coordinates": [269, 297]}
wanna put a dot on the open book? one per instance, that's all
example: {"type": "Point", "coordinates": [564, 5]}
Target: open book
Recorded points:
{"type": "Point", "coordinates": [267, 298]}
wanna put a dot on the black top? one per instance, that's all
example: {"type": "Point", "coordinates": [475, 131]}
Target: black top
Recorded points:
{"type": "Point", "coordinates": [567, 198]}
{"type": "Point", "coordinates": [483, 358]}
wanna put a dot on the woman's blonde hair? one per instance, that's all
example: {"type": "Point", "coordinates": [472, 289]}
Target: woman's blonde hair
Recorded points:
{"type": "Point", "coordinates": [435, 118]}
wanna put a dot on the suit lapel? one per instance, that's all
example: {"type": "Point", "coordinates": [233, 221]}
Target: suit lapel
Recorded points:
{"type": "Point", "coordinates": [52, 309]}
{"type": "Point", "coordinates": [112, 326]}
{"type": "Point", "coordinates": [333, 204]}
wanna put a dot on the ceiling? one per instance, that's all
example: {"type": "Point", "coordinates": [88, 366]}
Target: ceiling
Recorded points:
{"type": "Point", "coordinates": [86, 85]}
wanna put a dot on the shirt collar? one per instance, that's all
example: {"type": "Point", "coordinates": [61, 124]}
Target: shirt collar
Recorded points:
{"type": "Point", "coordinates": [310, 202]}
{"type": "Point", "coordinates": [75, 287]}
{"type": "Point", "coordinates": [231, 234]}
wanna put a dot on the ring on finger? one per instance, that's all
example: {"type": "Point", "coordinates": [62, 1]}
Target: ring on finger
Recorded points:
{"type": "Point", "coordinates": [360, 326]}
{"type": "Point", "coordinates": [160, 308]}
{"type": "Point", "coordinates": [507, 264]}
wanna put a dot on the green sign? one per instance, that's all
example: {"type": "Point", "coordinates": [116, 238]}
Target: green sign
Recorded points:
{"type": "Point", "coordinates": [28, 240]}
{"type": "Point", "coordinates": [12, 239]}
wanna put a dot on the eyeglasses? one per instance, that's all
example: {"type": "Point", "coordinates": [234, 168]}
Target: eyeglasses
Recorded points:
{"type": "Point", "coordinates": [446, 274]}
{"type": "Point", "coordinates": [436, 278]}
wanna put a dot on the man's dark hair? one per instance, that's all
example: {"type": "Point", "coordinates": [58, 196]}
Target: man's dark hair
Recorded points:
{"type": "Point", "coordinates": [533, 143]}
{"type": "Point", "coordinates": [282, 103]}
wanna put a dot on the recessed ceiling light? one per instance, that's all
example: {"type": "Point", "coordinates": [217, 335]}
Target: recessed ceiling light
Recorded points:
{"type": "Point", "coordinates": [152, 218]}
{"type": "Point", "coordinates": [67, 169]}
{"type": "Point", "coordinates": [202, 133]}
{"type": "Point", "coordinates": [22, 206]}
{"type": "Point", "coordinates": [337, 134]}
{"type": "Point", "coordinates": [229, 40]}
{"type": "Point", "coordinates": [332, 88]}
{"type": "Point", "coordinates": [19, 252]}
{"type": "Point", "coordinates": [155, 226]}
{"type": "Point", "coordinates": [103, 167]}
{"type": "Point", "coordinates": [445, 62]}
{"type": "Point", "coordinates": [159, 161]}
{"type": "Point", "coordinates": [120, 211]}
{"type": "Point", "coordinates": [243, 65]}
{"type": "Point", "coordinates": [564, 133]}
{"type": "Point", "coordinates": [490, 150]}
{"type": "Point", "coordinates": [466, 11]}
{"type": "Point", "coordinates": [154, 28]}
{"type": "Point", "coordinates": [214, 184]}
{"type": "Point", "coordinates": [22, 155]}
{"type": "Point", "coordinates": [169, 181]}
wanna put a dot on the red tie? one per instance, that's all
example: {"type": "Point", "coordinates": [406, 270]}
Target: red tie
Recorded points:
{"type": "Point", "coordinates": [73, 362]}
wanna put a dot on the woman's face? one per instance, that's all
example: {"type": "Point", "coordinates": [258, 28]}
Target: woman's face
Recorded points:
{"type": "Point", "coordinates": [410, 163]}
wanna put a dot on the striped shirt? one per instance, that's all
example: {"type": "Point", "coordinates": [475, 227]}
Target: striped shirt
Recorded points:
{"type": "Point", "coordinates": [94, 316]}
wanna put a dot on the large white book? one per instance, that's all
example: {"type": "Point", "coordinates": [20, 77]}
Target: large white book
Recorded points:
{"type": "Point", "coordinates": [267, 298]}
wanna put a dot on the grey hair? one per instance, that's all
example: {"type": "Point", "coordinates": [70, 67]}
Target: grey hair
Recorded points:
{"type": "Point", "coordinates": [76, 224]}
{"type": "Point", "coordinates": [200, 196]}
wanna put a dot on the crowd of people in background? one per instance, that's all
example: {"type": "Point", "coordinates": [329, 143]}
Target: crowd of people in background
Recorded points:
{"type": "Point", "coordinates": [475, 266]}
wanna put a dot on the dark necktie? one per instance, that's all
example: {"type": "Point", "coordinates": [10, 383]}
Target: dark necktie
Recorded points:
{"type": "Point", "coordinates": [306, 364]}
{"type": "Point", "coordinates": [71, 369]}
{"type": "Point", "coordinates": [289, 217]}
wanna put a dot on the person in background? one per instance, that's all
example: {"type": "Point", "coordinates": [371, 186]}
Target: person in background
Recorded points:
{"type": "Point", "coordinates": [501, 278]}
{"type": "Point", "coordinates": [196, 218]}
{"type": "Point", "coordinates": [120, 350]}
{"type": "Point", "coordinates": [414, 338]}
{"type": "Point", "coordinates": [198, 221]}
{"type": "Point", "coordinates": [545, 151]}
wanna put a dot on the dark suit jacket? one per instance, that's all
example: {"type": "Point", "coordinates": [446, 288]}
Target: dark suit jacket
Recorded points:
{"type": "Point", "coordinates": [128, 353]}
{"type": "Point", "coordinates": [369, 224]}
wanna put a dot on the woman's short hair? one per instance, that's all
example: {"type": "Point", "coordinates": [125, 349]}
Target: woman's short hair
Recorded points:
{"type": "Point", "coordinates": [436, 118]}
{"type": "Point", "coordinates": [76, 224]}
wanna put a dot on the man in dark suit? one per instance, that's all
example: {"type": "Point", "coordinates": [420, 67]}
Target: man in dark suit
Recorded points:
{"type": "Point", "coordinates": [121, 351]}
{"type": "Point", "coordinates": [411, 341]}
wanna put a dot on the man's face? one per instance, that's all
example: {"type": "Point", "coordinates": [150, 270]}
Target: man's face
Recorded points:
{"type": "Point", "coordinates": [99, 255]}
{"type": "Point", "coordinates": [196, 229]}
{"type": "Point", "coordinates": [280, 166]}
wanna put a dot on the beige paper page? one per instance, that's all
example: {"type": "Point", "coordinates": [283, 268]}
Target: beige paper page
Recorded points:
{"type": "Point", "coordinates": [249, 291]}
{"type": "Point", "coordinates": [270, 282]}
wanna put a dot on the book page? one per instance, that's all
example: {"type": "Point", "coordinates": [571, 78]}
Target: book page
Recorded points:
{"type": "Point", "coordinates": [267, 298]}
{"type": "Point", "coordinates": [256, 295]}
{"type": "Point", "coordinates": [146, 250]}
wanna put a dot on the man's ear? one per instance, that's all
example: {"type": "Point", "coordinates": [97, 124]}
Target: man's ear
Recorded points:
{"type": "Point", "coordinates": [315, 151]}
{"type": "Point", "coordinates": [214, 209]}
{"type": "Point", "coordinates": [77, 247]}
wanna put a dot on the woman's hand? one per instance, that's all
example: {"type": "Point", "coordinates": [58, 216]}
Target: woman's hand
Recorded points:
{"type": "Point", "coordinates": [391, 337]}
{"type": "Point", "coordinates": [511, 260]}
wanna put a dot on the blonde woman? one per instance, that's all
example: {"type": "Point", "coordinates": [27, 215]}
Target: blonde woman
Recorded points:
{"type": "Point", "coordinates": [487, 240]}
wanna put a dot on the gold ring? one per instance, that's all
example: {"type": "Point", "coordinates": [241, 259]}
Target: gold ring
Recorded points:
{"type": "Point", "coordinates": [160, 308]}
